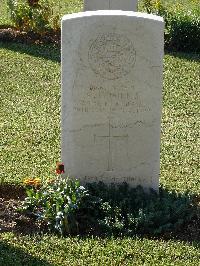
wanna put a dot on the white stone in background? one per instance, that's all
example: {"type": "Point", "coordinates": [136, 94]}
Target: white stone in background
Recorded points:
{"type": "Point", "coordinates": [130, 5]}
{"type": "Point", "coordinates": [111, 96]}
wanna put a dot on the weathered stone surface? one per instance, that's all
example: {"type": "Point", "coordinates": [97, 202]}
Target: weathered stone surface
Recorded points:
{"type": "Point", "coordinates": [127, 5]}
{"type": "Point", "coordinates": [111, 96]}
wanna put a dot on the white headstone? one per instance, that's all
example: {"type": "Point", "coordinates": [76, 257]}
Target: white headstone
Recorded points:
{"type": "Point", "coordinates": [130, 5]}
{"type": "Point", "coordinates": [111, 96]}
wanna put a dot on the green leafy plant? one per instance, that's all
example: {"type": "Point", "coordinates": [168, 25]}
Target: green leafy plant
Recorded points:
{"type": "Point", "coordinates": [183, 31]}
{"type": "Point", "coordinates": [63, 204]}
{"type": "Point", "coordinates": [154, 6]}
{"type": "Point", "coordinates": [131, 211]}
{"type": "Point", "coordinates": [182, 27]}
{"type": "Point", "coordinates": [69, 208]}
{"type": "Point", "coordinates": [56, 204]}
{"type": "Point", "coordinates": [33, 15]}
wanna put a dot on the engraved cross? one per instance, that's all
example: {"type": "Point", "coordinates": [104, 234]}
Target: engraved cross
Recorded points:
{"type": "Point", "coordinates": [110, 137]}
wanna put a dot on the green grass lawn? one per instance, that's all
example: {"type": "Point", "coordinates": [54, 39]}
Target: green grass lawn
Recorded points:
{"type": "Point", "coordinates": [30, 145]}
{"type": "Point", "coordinates": [4, 15]}
{"type": "Point", "coordinates": [51, 251]}
{"type": "Point", "coordinates": [30, 111]}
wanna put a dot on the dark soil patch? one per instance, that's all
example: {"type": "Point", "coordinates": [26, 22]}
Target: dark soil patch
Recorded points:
{"type": "Point", "coordinates": [189, 233]}
{"type": "Point", "coordinates": [10, 191]}
{"type": "Point", "coordinates": [11, 219]}
{"type": "Point", "coordinates": [11, 34]}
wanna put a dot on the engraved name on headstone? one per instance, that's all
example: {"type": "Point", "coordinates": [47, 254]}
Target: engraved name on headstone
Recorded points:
{"type": "Point", "coordinates": [111, 96]}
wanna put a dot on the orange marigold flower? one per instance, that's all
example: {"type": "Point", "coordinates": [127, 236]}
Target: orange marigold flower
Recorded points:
{"type": "Point", "coordinates": [32, 182]}
{"type": "Point", "coordinates": [37, 182]}
{"type": "Point", "coordinates": [29, 181]}
{"type": "Point", "coordinates": [26, 181]}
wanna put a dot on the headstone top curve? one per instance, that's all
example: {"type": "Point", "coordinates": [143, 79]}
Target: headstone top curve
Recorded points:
{"type": "Point", "coordinates": [112, 13]}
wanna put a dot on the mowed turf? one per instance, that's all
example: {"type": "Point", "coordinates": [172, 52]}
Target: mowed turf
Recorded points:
{"type": "Point", "coordinates": [4, 13]}
{"type": "Point", "coordinates": [29, 112]}
{"type": "Point", "coordinates": [180, 123]}
{"type": "Point", "coordinates": [49, 250]}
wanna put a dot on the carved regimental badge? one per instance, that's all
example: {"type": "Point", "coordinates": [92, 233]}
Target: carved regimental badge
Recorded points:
{"type": "Point", "coordinates": [111, 55]}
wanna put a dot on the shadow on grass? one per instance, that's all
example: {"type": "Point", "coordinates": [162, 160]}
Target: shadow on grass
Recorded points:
{"type": "Point", "coordinates": [49, 52]}
{"type": "Point", "coordinates": [52, 52]}
{"type": "Point", "coordinates": [187, 56]}
{"type": "Point", "coordinates": [12, 256]}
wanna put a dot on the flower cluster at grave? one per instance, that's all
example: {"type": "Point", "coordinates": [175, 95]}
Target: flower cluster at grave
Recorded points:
{"type": "Point", "coordinates": [65, 207]}
{"type": "Point", "coordinates": [34, 182]}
